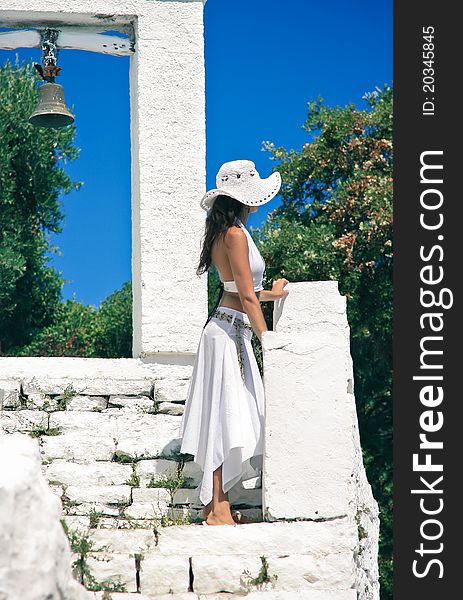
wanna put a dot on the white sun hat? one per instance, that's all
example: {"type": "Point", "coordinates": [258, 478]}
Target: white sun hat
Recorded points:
{"type": "Point", "coordinates": [240, 180]}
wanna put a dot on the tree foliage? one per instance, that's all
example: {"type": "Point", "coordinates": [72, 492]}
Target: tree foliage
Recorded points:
{"type": "Point", "coordinates": [31, 182]}
{"type": "Point", "coordinates": [86, 331]}
{"type": "Point", "coordinates": [335, 222]}
{"type": "Point", "coordinates": [34, 321]}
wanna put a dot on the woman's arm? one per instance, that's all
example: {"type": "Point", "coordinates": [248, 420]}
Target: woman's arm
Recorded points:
{"type": "Point", "coordinates": [276, 292]}
{"type": "Point", "coordinates": [266, 295]}
{"type": "Point", "coordinates": [237, 247]}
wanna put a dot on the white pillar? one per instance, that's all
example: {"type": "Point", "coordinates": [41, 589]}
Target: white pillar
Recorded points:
{"type": "Point", "coordinates": [168, 177]}
{"type": "Point", "coordinates": [312, 467]}
{"type": "Point", "coordinates": [168, 149]}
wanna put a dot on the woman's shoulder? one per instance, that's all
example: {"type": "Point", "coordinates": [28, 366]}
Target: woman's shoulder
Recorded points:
{"type": "Point", "coordinates": [234, 235]}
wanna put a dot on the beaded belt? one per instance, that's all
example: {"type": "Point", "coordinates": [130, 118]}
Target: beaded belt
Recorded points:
{"type": "Point", "coordinates": [239, 324]}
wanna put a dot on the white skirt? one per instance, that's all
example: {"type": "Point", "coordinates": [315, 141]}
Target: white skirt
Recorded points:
{"type": "Point", "coordinates": [223, 421]}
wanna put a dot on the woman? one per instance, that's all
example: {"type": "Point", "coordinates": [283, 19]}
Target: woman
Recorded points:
{"type": "Point", "coordinates": [222, 425]}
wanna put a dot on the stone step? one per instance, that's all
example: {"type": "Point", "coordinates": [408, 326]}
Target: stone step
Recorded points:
{"type": "Point", "coordinates": [258, 595]}
{"type": "Point", "coordinates": [96, 376]}
{"type": "Point", "coordinates": [144, 503]}
{"type": "Point", "coordinates": [117, 522]}
{"type": "Point", "coordinates": [304, 557]}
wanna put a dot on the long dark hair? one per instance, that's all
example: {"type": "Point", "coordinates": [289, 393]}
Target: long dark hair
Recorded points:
{"type": "Point", "coordinates": [221, 216]}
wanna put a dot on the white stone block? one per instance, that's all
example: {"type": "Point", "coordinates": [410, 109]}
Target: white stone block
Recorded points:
{"type": "Point", "coordinates": [307, 364]}
{"type": "Point", "coordinates": [114, 568]}
{"type": "Point", "coordinates": [91, 403]}
{"type": "Point", "coordinates": [35, 550]}
{"type": "Point", "coordinates": [108, 494]}
{"type": "Point", "coordinates": [78, 523]}
{"type": "Point", "coordinates": [154, 495]}
{"type": "Point", "coordinates": [155, 467]}
{"type": "Point", "coordinates": [76, 446]}
{"type": "Point", "coordinates": [213, 573]}
{"type": "Point", "coordinates": [256, 539]}
{"type": "Point", "coordinates": [170, 408]}
{"type": "Point", "coordinates": [297, 595]}
{"type": "Point", "coordinates": [87, 508]}
{"type": "Point", "coordinates": [193, 470]}
{"type": "Point", "coordinates": [122, 541]}
{"type": "Point", "coordinates": [148, 503]}
{"type": "Point", "coordinates": [334, 571]}
{"type": "Point", "coordinates": [147, 435]}
{"type": "Point", "coordinates": [172, 388]}
{"type": "Point", "coordinates": [98, 473]}
{"type": "Point", "coordinates": [132, 403]}
{"type": "Point", "coordinates": [164, 574]}
{"type": "Point", "coordinates": [23, 420]}
{"type": "Point", "coordinates": [145, 511]}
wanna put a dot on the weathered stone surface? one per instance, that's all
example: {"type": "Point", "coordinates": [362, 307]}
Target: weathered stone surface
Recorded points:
{"type": "Point", "coordinates": [164, 574]}
{"type": "Point", "coordinates": [172, 388]}
{"type": "Point", "coordinates": [129, 596]}
{"type": "Point", "coordinates": [9, 393]}
{"type": "Point", "coordinates": [81, 403]}
{"type": "Point", "coordinates": [113, 567]}
{"type": "Point", "coordinates": [309, 354]}
{"type": "Point", "coordinates": [76, 446]}
{"type": "Point", "coordinates": [97, 473]}
{"type": "Point", "coordinates": [193, 470]}
{"type": "Point", "coordinates": [218, 572]}
{"type": "Point", "coordinates": [35, 551]}
{"type": "Point", "coordinates": [150, 495]}
{"type": "Point", "coordinates": [171, 408]}
{"type": "Point", "coordinates": [92, 376]}
{"type": "Point", "coordinates": [184, 596]}
{"type": "Point", "coordinates": [148, 435]}
{"type": "Point", "coordinates": [108, 494]}
{"type": "Point", "coordinates": [90, 422]}
{"type": "Point", "coordinates": [123, 541]}
{"type": "Point", "coordinates": [23, 420]}
{"type": "Point", "coordinates": [333, 570]}
{"type": "Point", "coordinates": [148, 503]}
{"type": "Point", "coordinates": [87, 508]}
{"type": "Point", "coordinates": [292, 595]}
{"type": "Point", "coordinates": [37, 400]}
{"type": "Point", "coordinates": [255, 539]}
{"type": "Point", "coordinates": [131, 403]}
{"type": "Point", "coordinates": [101, 434]}
{"type": "Point", "coordinates": [155, 467]}
{"type": "Point", "coordinates": [77, 523]}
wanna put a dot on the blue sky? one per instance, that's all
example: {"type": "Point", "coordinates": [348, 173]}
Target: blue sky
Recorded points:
{"type": "Point", "coordinates": [264, 61]}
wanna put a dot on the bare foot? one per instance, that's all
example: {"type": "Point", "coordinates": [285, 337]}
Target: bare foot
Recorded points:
{"type": "Point", "coordinates": [207, 509]}
{"type": "Point", "coordinates": [220, 519]}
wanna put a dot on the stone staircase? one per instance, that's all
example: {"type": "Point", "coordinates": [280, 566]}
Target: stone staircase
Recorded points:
{"type": "Point", "coordinates": [130, 503]}
{"type": "Point", "coordinates": [106, 433]}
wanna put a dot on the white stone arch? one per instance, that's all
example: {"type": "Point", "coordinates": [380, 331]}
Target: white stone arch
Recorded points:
{"type": "Point", "coordinates": [168, 166]}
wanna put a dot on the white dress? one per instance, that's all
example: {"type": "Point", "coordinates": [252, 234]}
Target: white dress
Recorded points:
{"type": "Point", "coordinates": [223, 421]}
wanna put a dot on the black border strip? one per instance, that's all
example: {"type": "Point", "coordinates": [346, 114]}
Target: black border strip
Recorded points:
{"type": "Point", "coordinates": [422, 256]}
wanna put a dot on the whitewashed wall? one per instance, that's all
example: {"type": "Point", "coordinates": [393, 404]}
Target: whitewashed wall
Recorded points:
{"type": "Point", "coordinates": [313, 466]}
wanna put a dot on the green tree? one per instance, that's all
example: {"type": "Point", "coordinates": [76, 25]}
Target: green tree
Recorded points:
{"type": "Point", "coordinates": [335, 222]}
{"type": "Point", "coordinates": [86, 331]}
{"type": "Point", "coordinates": [71, 333]}
{"type": "Point", "coordinates": [31, 182]}
{"type": "Point", "coordinates": [113, 326]}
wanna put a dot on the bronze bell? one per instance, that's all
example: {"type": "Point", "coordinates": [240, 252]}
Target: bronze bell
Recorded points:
{"type": "Point", "coordinates": [51, 110]}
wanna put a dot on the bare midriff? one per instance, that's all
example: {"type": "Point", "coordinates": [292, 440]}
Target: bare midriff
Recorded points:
{"type": "Point", "coordinates": [232, 300]}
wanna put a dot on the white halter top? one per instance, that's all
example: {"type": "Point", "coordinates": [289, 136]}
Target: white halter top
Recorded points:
{"type": "Point", "coordinates": [256, 262]}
